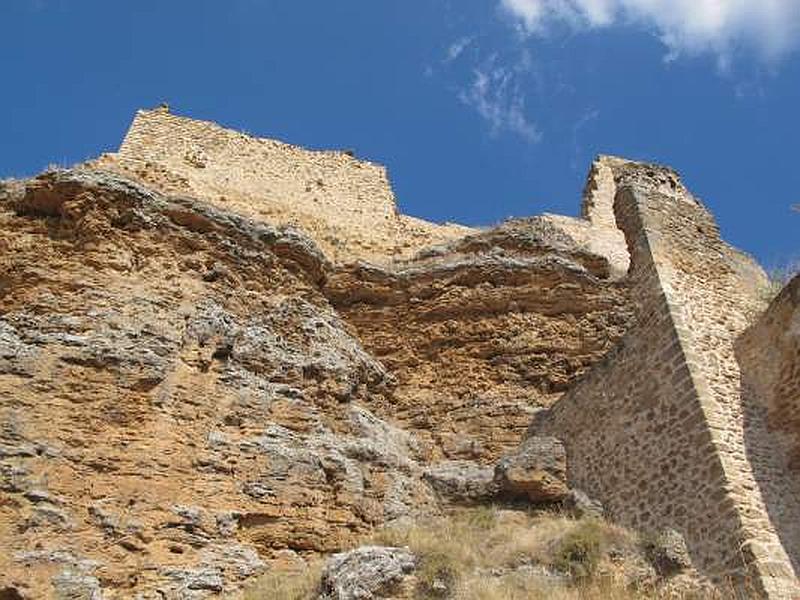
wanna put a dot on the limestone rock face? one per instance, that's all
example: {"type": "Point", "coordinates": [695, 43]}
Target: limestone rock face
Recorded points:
{"type": "Point", "coordinates": [462, 481]}
{"type": "Point", "coordinates": [178, 401]}
{"type": "Point", "coordinates": [366, 573]}
{"type": "Point", "coordinates": [483, 331]}
{"type": "Point", "coordinates": [536, 470]}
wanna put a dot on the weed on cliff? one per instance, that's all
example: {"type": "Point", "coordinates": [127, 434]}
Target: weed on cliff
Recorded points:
{"type": "Point", "coordinates": [581, 549]}
{"type": "Point", "coordinates": [291, 584]}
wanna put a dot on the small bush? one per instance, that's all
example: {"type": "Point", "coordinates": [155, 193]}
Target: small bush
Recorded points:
{"type": "Point", "coordinates": [437, 575]}
{"type": "Point", "coordinates": [579, 552]}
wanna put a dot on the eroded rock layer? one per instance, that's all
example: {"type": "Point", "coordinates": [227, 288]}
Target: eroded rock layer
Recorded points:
{"type": "Point", "coordinates": [178, 401]}
{"type": "Point", "coordinates": [481, 332]}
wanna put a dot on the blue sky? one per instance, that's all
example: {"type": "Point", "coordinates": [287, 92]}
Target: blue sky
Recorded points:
{"type": "Point", "coordinates": [480, 109]}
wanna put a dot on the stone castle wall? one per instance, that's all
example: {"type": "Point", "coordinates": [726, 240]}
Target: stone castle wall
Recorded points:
{"type": "Point", "coordinates": [346, 205]}
{"type": "Point", "coordinates": [226, 159]}
{"type": "Point", "coordinates": [658, 431]}
{"type": "Point", "coordinates": [597, 229]}
{"type": "Point", "coordinates": [769, 356]}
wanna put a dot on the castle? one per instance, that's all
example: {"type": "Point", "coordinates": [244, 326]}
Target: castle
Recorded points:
{"type": "Point", "coordinates": [634, 334]}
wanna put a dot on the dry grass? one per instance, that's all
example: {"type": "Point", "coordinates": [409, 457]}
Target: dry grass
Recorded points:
{"type": "Point", "coordinates": [487, 538]}
{"type": "Point", "coordinates": [485, 554]}
{"type": "Point", "coordinates": [488, 554]}
{"type": "Point", "coordinates": [519, 587]}
{"type": "Point", "coordinates": [286, 585]}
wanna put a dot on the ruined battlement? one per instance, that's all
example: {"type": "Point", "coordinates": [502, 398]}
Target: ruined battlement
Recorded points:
{"type": "Point", "coordinates": [346, 205]}
{"type": "Point", "coordinates": [226, 160]}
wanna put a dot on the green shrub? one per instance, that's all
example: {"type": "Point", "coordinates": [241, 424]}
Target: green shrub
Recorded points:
{"type": "Point", "coordinates": [437, 575]}
{"type": "Point", "coordinates": [580, 550]}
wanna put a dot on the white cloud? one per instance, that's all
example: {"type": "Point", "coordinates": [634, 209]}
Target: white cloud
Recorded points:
{"type": "Point", "coordinates": [456, 49]}
{"type": "Point", "coordinates": [495, 94]}
{"type": "Point", "coordinates": [771, 28]}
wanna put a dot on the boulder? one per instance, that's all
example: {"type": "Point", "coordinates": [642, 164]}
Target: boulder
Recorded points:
{"type": "Point", "coordinates": [365, 573]}
{"type": "Point", "coordinates": [537, 470]}
{"type": "Point", "coordinates": [69, 585]}
{"type": "Point", "coordinates": [462, 481]}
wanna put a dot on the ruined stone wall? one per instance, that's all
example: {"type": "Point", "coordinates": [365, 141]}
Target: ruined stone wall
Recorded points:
{"type": "Point", "coordinates": [597, 229]}
{"type": "Point", "coordinates": [346, 205]}
{"type": "Point", "coordinates": [269, 167]}
{"type": "Point", "coordinates": [769, 356]}
{"type": "Point", "coordinates": [657, 431]}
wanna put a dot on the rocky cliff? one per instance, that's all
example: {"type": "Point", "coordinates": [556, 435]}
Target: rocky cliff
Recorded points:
{"type": "Point", "coordinates": [179, 400]}
{"type": "Point", "coordinates": [198, 386]}
{"type": "Point", "coordinates": [189, 396]}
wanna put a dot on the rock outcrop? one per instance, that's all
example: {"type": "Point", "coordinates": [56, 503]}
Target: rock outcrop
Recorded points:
{"type": "Point", "coordinates": [221, 355]}
{"type": "Point", "coordinates": [368, 572]}
{"type": "Point", "coordinates": [536, 471]}
{"type": "Point", "coordinates": [177, 398]}
{"type": "Point", "coordinates": [483, 331]}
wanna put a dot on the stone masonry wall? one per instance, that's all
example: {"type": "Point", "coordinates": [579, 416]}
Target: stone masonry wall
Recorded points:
{"type": "Point", "coordinates": [769, 355]}
{"type": "Point", "coordinates": [345, 204]}
{"type": "Point", "coordinates": [272, 166]}
{"type": "Point", "coordinates": [597, 229]}
{"type": "Point", "coordinates": [658, 431]}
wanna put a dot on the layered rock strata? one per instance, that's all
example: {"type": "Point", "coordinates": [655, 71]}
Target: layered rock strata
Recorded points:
{"type": "Point", "coordinates": [178, 401]}
{"type": "Point", "coordinates": [483, 331]}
